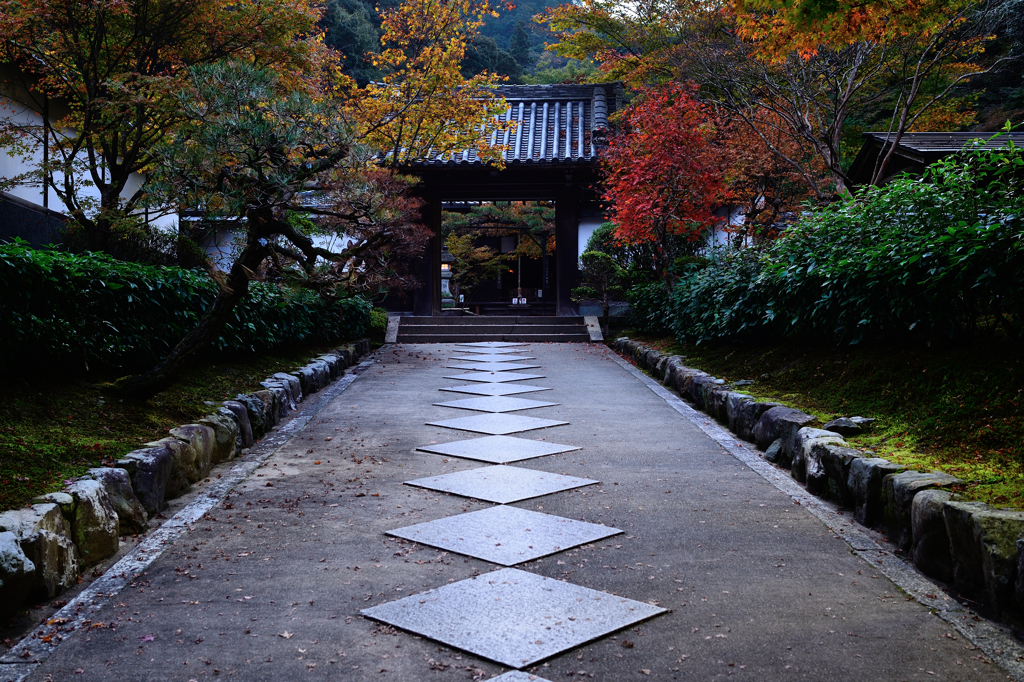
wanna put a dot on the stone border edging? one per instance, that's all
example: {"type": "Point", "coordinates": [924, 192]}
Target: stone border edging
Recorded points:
{"type": "Point", "coordinates": [1003, 649]}
{"type": "Point", "coordinates": [22, 659]}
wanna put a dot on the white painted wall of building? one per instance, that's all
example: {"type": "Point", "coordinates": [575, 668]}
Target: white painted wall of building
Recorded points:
{"type": "Point", "coordinates": [13, 166]}
{"type": "Point", "coordinates": [586, 229]}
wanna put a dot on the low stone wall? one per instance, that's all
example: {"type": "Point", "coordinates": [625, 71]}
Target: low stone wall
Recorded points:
{"type": "Point", "coordinates": [974, 547]}
{"type": "Point", "coordinates": [46, 546]}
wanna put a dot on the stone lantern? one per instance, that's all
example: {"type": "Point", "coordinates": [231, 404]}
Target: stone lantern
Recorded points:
{"type": "Point", "coordinates": [447, 299]}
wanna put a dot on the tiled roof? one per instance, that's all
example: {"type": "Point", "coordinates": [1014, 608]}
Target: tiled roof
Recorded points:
{"type": "Point", "coordinates": [947, 142]}
{"type": "Point", "coordinates": [564, 124]}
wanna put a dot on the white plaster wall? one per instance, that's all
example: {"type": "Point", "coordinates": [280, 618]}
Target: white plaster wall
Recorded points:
{"type": "Point", "coordinates": [11, 166]}
{"type": "Point", "coordinates": [586, 229]}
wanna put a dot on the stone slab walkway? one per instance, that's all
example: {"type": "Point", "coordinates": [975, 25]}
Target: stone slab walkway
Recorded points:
{"type": "Point", "coordinates": [272, 582]}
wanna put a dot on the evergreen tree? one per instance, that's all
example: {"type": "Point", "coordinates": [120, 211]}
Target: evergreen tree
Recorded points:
{"type": "Point", "coordinates": [485, 55]}
{"type": "Point", "coordinates": [353, 29]}
{"type": "Point", "coordinates": [519, 46]}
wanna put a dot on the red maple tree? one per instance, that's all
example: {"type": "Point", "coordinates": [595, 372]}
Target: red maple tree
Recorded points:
{"type": "Point", "coordinates": [663, 175]}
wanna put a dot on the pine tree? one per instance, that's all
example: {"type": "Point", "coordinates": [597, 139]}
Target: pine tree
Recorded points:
{"type": "Point", "coordinates": [519, 46]}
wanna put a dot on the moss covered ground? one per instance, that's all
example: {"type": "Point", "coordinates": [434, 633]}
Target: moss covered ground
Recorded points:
{"type": "Point", "coordinates": [55, 427]}
{"type": "Point", "coordinates": [958, 410]}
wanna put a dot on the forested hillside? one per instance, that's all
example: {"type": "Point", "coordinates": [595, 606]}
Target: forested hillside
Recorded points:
{"type": "Point", "coordinates": [510, 44]}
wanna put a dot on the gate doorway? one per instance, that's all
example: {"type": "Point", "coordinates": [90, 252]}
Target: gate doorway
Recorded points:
{"type": "Point", "coordinates": [551, 159]}
{"type": "Point", "coordinates": [498, 258]}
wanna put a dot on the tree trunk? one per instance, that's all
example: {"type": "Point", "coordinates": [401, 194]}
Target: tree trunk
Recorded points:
{"type": "Point", "coordinates": [148, 384]}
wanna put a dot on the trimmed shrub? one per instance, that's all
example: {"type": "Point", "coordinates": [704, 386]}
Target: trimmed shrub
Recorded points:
{"type": "Point", "coordinates": [939, 257]}
{"type": "Point", "coordinates": [92, 309]}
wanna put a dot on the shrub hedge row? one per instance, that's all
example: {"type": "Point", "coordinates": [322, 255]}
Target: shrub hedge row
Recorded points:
{"type": "Point", "coordinates": [937, 257]}
{"type": "Point", "coordinates": [93, 309]}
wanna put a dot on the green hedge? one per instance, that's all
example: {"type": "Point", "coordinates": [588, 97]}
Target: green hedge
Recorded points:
{"type": "Point", "coordinates": [934, 258]}
{"type": "Point", "coordinates": [93, 309]}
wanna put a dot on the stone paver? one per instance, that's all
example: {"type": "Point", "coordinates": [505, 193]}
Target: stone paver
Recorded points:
{"type": "Point", "coordinates": [495, 404]}
{"type": "Point", "coordinates": [501, 484]}
{"type": "Point", "coordinates": [497, 424]}
{"type": "Point", "coordinates": [271, 583]}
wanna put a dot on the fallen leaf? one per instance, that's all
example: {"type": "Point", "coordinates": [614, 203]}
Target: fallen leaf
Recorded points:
{"type": "Point", "coordinates": [287, 635]}
{"type": "Point", "coordinates": [147, 638]}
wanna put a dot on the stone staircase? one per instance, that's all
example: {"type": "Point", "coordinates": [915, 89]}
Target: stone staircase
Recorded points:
{"type": "Point", "coordinates": [487, 328]}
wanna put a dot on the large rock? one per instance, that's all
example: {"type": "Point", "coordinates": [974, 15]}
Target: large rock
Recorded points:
{"type": "Point", "coordinates": [225, 436]}
{"type": "Point", "coordinates": [899, 491]}
{"type": "Point", "coordinates": [203, 441]}
{"type": "Point", "coordinates": [668, 369]}
{"type": "Point", "coordinates": [849, 426]}
{"type": "Point", "coordinates": [650, 359]}
{"type": "Point", "coordinates": [684, 381]}
{"type": "Point", "coordinates": [286, 402]}
{"type": "Point", "coordinates": [95, 528]}
{"type": "Point", "coordinates": [865, 486]}
{"type": "Point", "coordinates": [716, 402]}
{"type": "Point", "coordinates": [673, 366]}
{"type": "Point", "coordinates": [43, 536]}
{"type": "Point", "coordinates": [930, 539]}
{"type": "Point", "coordinates": [131, 515]}
{"type": "Point", "coordinates": [323, 372]}
{"type": "Point", "coordinates": [240, 414]}
{"type": "Point", "coordinates": [307, 378]}
{"type": "Point", "coordinates": [780, 423]}
{"type": "Point", "coordinates": [734, 403]}
{"type": "Point", "coordinates": [16, 574]}
{"type": "Point", "coordinates": [836, 461]}
{"type": "Point", "coordinates": [294, 383]}
{"type": "Point", "coordinates": [255, 409]}
{"type": "Point", "coordinates": [746, 417]}
{"type": "Point", "coordinates": [774, 451]}
{"type": "Point", "coordinates": [151, 471]}
{"type": "Point", "coordinates": [806, 463]}
{"type": "Point", "coordinates": [697, 387]}
{"type": "Point", "coordinates": [983, 544]}
{"type": "Point", "coordinates": [271, 407]}
{"type": "Point", "coordinates": [183, 456]}
{"type": "Point", "coordinates": [333, 364]}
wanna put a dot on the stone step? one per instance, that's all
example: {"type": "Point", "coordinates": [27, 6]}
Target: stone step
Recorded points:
{"type": "Point", "coordinates": [518, 337]}
{"type": "Point", "coordinates": [492, 329]}
{"type": "Point", "coordinates": [471, 321]}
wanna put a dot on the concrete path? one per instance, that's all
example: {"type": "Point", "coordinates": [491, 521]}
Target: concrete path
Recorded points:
{"type": "Point", "coordinates": [271, 583]}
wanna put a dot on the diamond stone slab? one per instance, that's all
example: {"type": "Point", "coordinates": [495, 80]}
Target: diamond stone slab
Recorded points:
{"type": "Point", "coordinates": [492, 358]}
{"type": "Point", "coordinates": [513, 617]}
{"type": "Point", "coordinates": [495, 377]}
{"type": "Point", "coordinates": [518, 676]}
{"type": "Point", "coordinates": [495, 389]}
{"type": "Point", "coordinates": [490, 344]}
{"type": "Point", "coordinates": [491, 366]}
{"type": "Point", "coordinates": [497, 424]}
{"type": "Point", "coordinates": [491, 351]}
{"type": "Point", "coordinates": [495, 404]}
{"type": "Point", "coordinates": [501, 484]}
{"type": "Point", "coordinates": [505, 535]}
{"type": "Point", "coordinates": [498, 449]}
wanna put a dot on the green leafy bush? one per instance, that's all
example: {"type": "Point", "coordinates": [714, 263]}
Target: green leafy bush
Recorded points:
{"type": "Point", "coordinates": [92, 309]}
{"type": "Point", "coordinates": [649, 309]}
{"type": "Point", "coordinates": [936, 257]}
